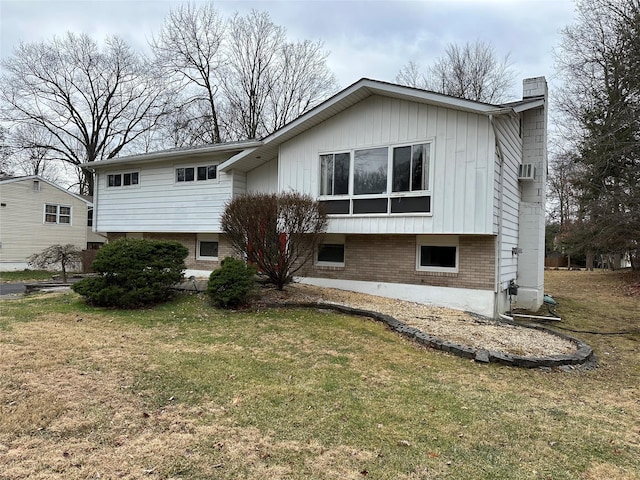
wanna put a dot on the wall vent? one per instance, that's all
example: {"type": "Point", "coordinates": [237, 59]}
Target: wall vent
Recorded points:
{"type": "Point", "coordinates": [526, 171]}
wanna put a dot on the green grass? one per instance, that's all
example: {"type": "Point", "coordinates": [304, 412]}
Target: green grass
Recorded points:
{"type": "Point", "coordinates": [26, 275]}
{"type": "Point", "coordinates": [193, 392]}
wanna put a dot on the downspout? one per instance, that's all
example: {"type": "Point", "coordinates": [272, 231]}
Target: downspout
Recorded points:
{"type": "Point", "coordinates": [498, 252]}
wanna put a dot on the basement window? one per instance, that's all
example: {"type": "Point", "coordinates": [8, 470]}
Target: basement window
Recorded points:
{"type": "Point", "coordinates": [207, 247]}
{"type": "Point", "coordinates": [330, 252]}
{"type": "Point", "coordinates": [437, 254]}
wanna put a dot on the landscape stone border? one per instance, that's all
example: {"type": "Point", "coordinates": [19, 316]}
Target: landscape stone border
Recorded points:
{"type": "Point", "coordinates": [584, 353]}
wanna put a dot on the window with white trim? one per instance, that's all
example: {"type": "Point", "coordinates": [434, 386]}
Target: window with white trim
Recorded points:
{"type": "Point", "coordinates": [382, 180]}
{"type": "Point", "coordinates": [207, 247]}
{"type": "Point", "coordinates": [57, 214]}
{"type": "Point", "coordinates": [334, 173]}
{"type": "Point", "coordinates": [196, 173]}
{"type": "Point", "coordinates": [127, 179]}
{"type": "Point", "coordinates": [330, 252]}
{"type": "Point", "coordinates": [437, 253]}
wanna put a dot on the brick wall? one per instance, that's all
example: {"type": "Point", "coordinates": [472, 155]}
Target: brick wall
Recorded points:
{"type": "Point", "coordinates": [392, 258]}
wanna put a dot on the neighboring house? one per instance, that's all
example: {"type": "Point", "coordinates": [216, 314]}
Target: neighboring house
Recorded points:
{"type": "Point", "coordinates": [432, 198]}
{"type": "Point", "coordinates": [35, 214]}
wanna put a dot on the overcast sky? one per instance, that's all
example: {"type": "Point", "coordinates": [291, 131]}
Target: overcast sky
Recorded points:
{"type": "Point", "coordinates": [371, 39]}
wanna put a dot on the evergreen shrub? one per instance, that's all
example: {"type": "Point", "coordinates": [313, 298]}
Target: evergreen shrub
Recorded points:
{"type": "Point", "coordinates": [232, 284]}
{"type": "Point", "coordinates": [133, 273]}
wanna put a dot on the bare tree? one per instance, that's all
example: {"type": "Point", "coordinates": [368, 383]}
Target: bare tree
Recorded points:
{"type": "Point", "coordinates": [30, 154]}
{"type": "Point", "coordinates": [277, 233]}
{"type": "Point", "coordinates": [189, 48]}
{"type": "Point", "coordinates": [268, 81]}
{"type": "Point", "coordinates": [598, 58]}
{"type": "Point", "coordinates": [253, 46]}
{"type": "Point", "coordinates": [95, 103]}
{"type": "Point", "coordinates": [411, 76]}
{"type": "Point", "coordinates": [6, 168]}
{"type": "Point", "coordinates": [472, 71]}
{"type": "Point", "coordinates": [301, 81]}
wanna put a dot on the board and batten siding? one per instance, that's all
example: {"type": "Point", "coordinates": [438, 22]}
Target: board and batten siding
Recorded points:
{"type": "Point", "coordinates": [160, 204]}
{"type": "Point", "coordinates": [23, 230]}
{"type": "Point", "coordinates": [263, 179]}
{"type": "Point", "coordinates": [462, 163]}
{"type": "Point", "coordinates": [510, 146]}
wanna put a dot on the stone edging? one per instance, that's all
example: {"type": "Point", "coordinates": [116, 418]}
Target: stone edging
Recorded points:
{"type": "Point", "coordinates": [583, 354]}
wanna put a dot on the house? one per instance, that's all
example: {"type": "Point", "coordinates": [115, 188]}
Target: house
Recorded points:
{"type": "Point", "coordinates": [35, 214]}
{"type": "Point", "coordinates": [432, 198]}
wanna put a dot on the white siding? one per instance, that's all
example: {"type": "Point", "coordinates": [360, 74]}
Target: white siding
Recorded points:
{"type": "Point", "coordinates": [462, 163]}
{"type": "Point", "coordinates": [160, 204]}
{"type": "Point", "coordinates": [264, 179]}
{"type": "Point", "coordinates": [23, 231]}
{"type": "Point", "coordinates": [511, 149]}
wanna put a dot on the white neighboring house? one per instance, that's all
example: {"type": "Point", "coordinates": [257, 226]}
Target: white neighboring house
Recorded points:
{"type": "Point", "coordinates": [432, 198]}
{"type": "Point", "coordinates": [35, 214]}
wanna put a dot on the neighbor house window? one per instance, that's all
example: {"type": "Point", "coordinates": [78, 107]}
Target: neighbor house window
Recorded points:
{"type": "Point", "coordinates": [331, 251]}
{"type": "Point", "coordinates": [57, 214]}
{"type": "Point", "coordinates": [207, 247]}
{"type": "Point", "coordinates": [123, 179]}
{"type": "Point", "coordinates": [437, 254]}
{"type": "Point", "coordinates": [192, 174]}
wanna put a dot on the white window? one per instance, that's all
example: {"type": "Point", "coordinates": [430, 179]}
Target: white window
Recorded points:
{"type": "Point", "coordinates": [57, 214]}
{"type": "Point", "coordinates": [330, 252]}
{"type": "Point", "coordinates": [437, 253]}
{"type": "Point", "coordinates": [127, 179]}
{"type": "Point", "coordinates": [207, 247]}
{"type": "Point", "coordinates": [199, 173]}
{"type": "Point", "coordinates": [334, 173]}
{"type": "Point", "coordinates": [370, 171]}
{"type": "Point", "coordinates": [36, 185]}
{"type": "Point", "coordinates": [411, 168]}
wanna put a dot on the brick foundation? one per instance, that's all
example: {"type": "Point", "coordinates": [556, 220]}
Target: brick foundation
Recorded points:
{"type": "Point", "coordinates": [392, 259]}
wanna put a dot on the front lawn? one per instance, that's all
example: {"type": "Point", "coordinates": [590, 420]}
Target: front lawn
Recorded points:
{"type": "Point", "coordinates": [186, 391]}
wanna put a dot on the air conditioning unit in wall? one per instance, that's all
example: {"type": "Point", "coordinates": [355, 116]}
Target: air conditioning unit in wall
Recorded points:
{"type": "Point", "coordinates": [526, 171]}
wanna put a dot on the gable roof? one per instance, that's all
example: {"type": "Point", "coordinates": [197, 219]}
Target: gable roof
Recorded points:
{"type": "Point", "coordinates": [357, 92]}
{"type": "Point", "coordinates": [9, 180]}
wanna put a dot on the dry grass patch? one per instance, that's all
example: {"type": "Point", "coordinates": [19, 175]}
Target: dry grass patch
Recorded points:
{"type": "Point", "coordinates": [185, 391]}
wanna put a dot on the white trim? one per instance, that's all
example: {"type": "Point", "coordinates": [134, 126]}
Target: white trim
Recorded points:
{"type": "Point", "coordinates": [207, 237]}
{"type": "Point", "coordinates": [437, 241]}
{"type": "Point", "coordinates": [58, 214]}
{"type": "Point", "coordinates": [466, 299]}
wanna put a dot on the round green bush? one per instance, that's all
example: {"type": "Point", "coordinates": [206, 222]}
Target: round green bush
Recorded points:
{"type": "Point", "coordinates": [133, 273]}
{"type": "Point", "coordinates": [232, 284]}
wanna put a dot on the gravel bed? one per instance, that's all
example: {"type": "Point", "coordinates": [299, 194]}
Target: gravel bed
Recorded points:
{"type": "Point", "coordinates": [444, 323]}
